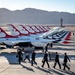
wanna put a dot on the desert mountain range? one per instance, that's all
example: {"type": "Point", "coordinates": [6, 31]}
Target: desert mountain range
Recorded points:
{"type": "Point", "coordinates": [35, 16]}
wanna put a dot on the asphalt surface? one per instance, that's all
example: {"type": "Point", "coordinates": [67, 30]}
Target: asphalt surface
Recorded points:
{"type": "Point", "coordinates": [9, 63]}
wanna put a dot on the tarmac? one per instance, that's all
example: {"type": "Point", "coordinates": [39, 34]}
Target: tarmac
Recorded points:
{"type": "Point", "coordinates": [9, 63]}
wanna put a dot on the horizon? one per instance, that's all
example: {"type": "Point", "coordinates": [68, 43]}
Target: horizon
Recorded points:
{"type": "Point", "coordinates": [37, 9]}
{"type": "Point", "coordinates": [46, 5]}
{"type": "Point", "coordinates": [38, 22]}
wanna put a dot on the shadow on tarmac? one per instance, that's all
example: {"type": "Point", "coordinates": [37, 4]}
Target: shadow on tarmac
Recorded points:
{"type": "Point", "coordinates": [66, 71]}
{"type": "Point", "coordinates": [56, 71]}
{"type": "Point", "coordinates": [43, 69]}
{"type": "Point", "coordinates": [11, 57]}
{"type": "Point", "coordinates": [28, 68]}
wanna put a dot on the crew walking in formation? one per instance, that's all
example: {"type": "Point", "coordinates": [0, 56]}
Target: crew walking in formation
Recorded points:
{"type": "Point", "coordinates": [45, 59]}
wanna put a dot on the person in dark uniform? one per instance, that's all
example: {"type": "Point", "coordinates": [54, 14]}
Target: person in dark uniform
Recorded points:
{"type": "Point", "coordinates": [33, 58]}
{"type": "Point", "coordinates": [46, 48]}
{"type": "Point", "coordinates": [73, 34]}
{"type": "Point", "coordinates": [19, 56]}
{"type": "Point", "coordinates": [66, 58]}
{"type": "Point", "coordinates": [45, 59]}
{"type": "Point", "coordinates": [51, 45]}
{"type": "Point", "coordinates": [57, 61]}
{"type": "Point", "coordinates": [49, 55]}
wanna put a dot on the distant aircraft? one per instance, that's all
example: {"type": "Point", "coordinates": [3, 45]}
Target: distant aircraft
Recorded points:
{"type": "Point", "coordinates": [21, 40]}
{"type": "Point", "coordinates": [30, 29]}
{"type": "Point", "coordinates": [55, 35]}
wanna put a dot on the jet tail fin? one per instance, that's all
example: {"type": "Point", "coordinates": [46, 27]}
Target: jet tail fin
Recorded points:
{"type": "Point", "coordinates": [66, 38]}
{"type": "Point", "coordinates": [3, 34]}
{"type": "Point", "coordinates": [14, 31]}
{"type": "Point", "coordinates": [23, 30]}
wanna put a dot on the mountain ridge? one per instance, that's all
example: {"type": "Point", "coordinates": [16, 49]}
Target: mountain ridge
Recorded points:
{"type": "Point", "coordinates": [35, 16]}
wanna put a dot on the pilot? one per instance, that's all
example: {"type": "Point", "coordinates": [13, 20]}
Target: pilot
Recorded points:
{"type": "Point", "coordinates": [45, 59]}
{"type": "Point", "coordinates": [33, 58]}
{"type": "Point", "coordinates": [19, 56]}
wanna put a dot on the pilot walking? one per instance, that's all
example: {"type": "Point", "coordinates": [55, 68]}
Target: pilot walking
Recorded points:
{"type": "Point", "coordinates": [19, 56]}
{"type": "Point", "coordinates": [33, 58]}
{"type": "Point", "coordinates": [57, 61]}
{"type": "Point", "coordinates": [66, 58]}
{"type": "Point", "coordinates": [45, 59]}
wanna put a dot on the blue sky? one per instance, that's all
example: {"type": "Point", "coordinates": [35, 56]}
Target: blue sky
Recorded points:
{"type": "Point", "coordinates": [49, 5]}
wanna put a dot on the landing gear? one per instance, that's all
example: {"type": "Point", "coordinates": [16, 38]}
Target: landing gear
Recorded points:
{"type": "Point", "coordinates": [51, 45]}
{"type": "Point", "coordinates": [48, 45]}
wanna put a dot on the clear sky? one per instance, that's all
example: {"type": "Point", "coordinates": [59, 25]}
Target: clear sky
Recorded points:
{"type": "Point", "coordinates": [49, 5]}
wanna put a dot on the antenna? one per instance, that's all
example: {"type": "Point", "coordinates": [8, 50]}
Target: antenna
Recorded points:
{"type": "Point", "coordinates": [61, 22]}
